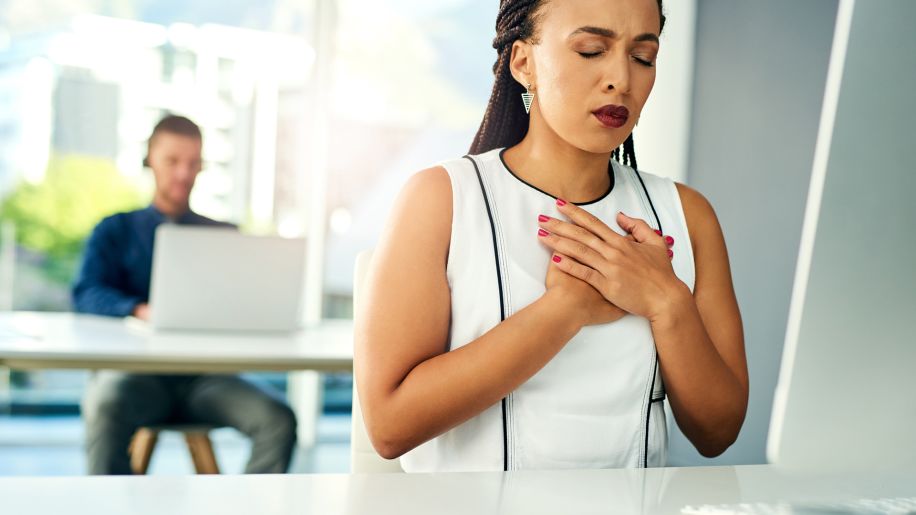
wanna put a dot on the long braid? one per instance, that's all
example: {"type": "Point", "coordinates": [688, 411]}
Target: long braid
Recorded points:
{"type": "Point", "coordinates": [505, 122]}
{"type": "Point", "coordinates": [629, 152]}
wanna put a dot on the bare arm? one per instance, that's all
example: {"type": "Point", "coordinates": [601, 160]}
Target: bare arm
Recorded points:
{"type": "Point", "coordinates": [410, 389]}
{"type": "Point", "coordinates": [700, 340]}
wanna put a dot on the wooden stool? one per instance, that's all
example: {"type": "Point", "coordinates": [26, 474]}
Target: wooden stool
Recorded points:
{"type": "Point", "coordinates": [197, 437]}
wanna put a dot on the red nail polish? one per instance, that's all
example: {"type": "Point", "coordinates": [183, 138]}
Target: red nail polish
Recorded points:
{"type": "Point", "coordinates": [669, 240]}
{"type": "Point", "coordinates": [670, 253]}
{"type": "Point", "coordinates": [543, 218]}
{"type": "Point", "coordinates": [557, 259]}
{"type": "Point", "coordinates": [561, 202]}
{"type": "Point", "coordinates": [542, 233]}
{"type": "Point", "coordinates": [658, 232]}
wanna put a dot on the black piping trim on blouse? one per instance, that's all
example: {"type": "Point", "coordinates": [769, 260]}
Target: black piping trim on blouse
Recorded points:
{"type": "Point", "coordinates": [502, 303]}
{"type": "Point", "coordinates": [645, 455]}
{"type": "Point", "coordinates": [651, 204]}
{"type": "Point", "coordinates": [610, 172]}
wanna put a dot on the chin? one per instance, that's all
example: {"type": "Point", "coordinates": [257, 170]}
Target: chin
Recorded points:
{"type": "Point", "coordinates": [599, 141]}
{"type": "Point", "coordinates": [179, 200]}
{"type": "Point", "coordinates": [596, 145]}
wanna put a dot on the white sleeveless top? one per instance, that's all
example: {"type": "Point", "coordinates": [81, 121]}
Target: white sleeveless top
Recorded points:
{"type": "Point", "coordinates": [599, 402]}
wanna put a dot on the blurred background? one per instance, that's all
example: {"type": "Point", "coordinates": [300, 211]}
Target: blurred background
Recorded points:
{"type": "Point", "coordinates": [315, 112]}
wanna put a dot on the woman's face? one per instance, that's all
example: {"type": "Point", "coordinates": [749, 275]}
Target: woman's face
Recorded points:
{"type": "Point", "coordinates": [592, 69]}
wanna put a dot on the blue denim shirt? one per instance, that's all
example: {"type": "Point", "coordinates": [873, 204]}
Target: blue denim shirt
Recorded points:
{"type": "Point", "coordinates": [118, 261]}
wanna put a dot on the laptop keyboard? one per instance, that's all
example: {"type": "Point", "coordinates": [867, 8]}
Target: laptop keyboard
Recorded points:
{"type": "Point", "coordinates": [883, 506]}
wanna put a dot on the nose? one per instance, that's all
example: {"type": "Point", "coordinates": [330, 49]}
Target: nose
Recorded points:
{"type": "Point", "coordinates": [185, 172]}
{"type": "Point", "coordinates": [618, 73]}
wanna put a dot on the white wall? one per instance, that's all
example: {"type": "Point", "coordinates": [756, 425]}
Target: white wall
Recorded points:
{"type": "Point", "coordinates": [662, 136]}
{"type": "Point", "coordinates": [760, 73]}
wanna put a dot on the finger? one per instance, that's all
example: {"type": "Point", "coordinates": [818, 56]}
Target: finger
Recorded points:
{"type": "Point", "coordinates": [578, 270]}
{"type": "Point", "coordinates": [668, 239]}
{"type": "Point", "coordinates": [583, 218]}
{"type": "Point", "coordinates": [640, 230]}
{"type": "Point", "coordinates": [575, 249]}
{"type": "Point", "coordinates": [574, 232]}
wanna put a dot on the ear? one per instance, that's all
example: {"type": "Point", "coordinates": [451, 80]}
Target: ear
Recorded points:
{"type": "Point", "coordinates": [149, 148]}
{"type": "Point", "coordinates": [521, 63]}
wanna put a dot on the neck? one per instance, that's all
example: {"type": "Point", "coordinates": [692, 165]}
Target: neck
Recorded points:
{"type": "Point", "coordinates": [556, 167]}
{"type": "Point", "coordinates": [170, 209]}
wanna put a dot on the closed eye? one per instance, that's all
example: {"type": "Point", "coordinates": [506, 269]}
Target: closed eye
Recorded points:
{"type": "Point", "coordinates": [644, 62]}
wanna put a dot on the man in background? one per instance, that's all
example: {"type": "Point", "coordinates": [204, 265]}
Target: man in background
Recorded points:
{"type": "Point", "coordinates": [114, 280]}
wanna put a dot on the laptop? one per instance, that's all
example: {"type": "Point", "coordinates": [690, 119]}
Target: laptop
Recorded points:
{"type": "Point", "coordinates": [846, 395]}
{"type": "Point", "coordinates": [217, 279]}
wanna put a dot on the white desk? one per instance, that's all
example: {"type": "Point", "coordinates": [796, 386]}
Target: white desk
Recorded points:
{"type": "Point", "coordinates": [66, 340]}
{"type": "Point", "coordinates": [563, 492]}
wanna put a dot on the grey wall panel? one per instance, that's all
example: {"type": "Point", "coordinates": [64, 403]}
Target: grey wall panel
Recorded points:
{"type": "Point", "coordinates": [761, 68]}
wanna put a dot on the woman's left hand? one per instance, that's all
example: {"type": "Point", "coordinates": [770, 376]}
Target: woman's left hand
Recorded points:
{"type": "Point", "coordinates": [633, 272]}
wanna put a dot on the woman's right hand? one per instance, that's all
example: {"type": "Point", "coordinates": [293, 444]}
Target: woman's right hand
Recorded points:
{"type": "Point", "coordinates": [580, 299]}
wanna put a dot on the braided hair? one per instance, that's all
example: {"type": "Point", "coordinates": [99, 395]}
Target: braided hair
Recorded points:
{"type": "Point", "coordinates": [505, 122]}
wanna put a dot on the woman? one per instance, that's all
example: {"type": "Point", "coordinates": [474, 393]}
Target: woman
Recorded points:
{"type": "Point", "coordinates": [515, 316]}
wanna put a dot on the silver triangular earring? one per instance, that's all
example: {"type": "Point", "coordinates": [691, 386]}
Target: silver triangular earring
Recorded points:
{"type": "Point", "coordinates": [527, 98]}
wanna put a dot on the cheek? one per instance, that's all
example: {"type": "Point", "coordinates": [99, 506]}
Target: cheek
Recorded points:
{"type": "Point", "coordinates": [168, 180]}
{"type": "Point", "coordinates": [565, 90]}
{"type": "Point", "coordinates": [642, 87]}
{"type": "Point", "coordinates": [162, 178]}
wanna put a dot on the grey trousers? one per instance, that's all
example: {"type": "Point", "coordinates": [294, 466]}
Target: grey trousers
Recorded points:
{"type": "Point", "coordinates": [116, 404]}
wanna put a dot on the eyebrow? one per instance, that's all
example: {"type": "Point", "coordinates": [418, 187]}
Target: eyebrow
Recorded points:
{"type": "Point", "coordinates": [599, 31]}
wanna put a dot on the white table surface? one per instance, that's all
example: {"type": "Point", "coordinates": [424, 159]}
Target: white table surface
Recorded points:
{"type": "Point", "coordinates": [555, 492]}
{"type": "Point", "coordinates": [67, 340]}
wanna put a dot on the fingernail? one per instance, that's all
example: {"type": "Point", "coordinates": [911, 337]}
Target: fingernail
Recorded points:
{"type": "Point", "coordinates": [542, 233]}
{"type": "Point", "coordinates": [658, 232]}
{"type": "Point", "coordinates": [669, 240]}
{"type": "Point", "coordinates": [670, 253]}
{"type": "Point", "coordinates": [557, 259]}
{"type": "Point", "coordinates": [561, 202]}
{"type": "Point", "coordinates": [543, 218]}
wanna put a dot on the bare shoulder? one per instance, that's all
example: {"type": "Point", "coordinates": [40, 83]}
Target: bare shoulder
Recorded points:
{"type": "Point", "coordinates": [425, 203]}
{"type": "Point", "coordinates": [431, 183]}
{"type": "Point", "coordinates": [421, 219]}
{"type": "Point", "coordinates": [702, 222]}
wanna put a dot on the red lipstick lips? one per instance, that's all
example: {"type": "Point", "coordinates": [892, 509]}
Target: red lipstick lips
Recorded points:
{"type": "Point", "coordinates": [612, 116]}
